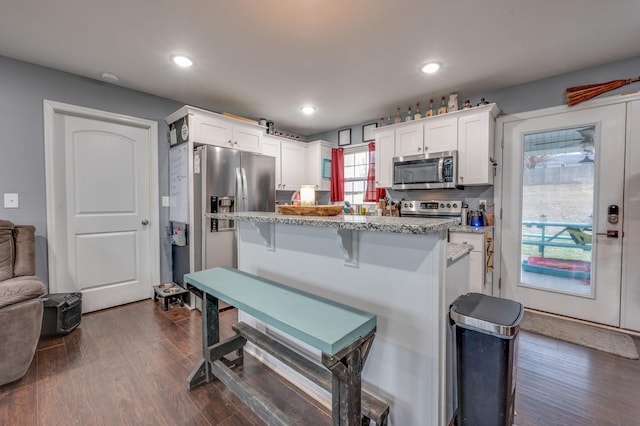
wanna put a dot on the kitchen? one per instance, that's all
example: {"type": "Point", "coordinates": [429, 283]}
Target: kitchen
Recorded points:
{"type": "Point", "coordinates": [27, 85]}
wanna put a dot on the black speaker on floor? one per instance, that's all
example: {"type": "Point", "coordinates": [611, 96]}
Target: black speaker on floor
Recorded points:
{"type": "Point", "coordinates": [62, 314]}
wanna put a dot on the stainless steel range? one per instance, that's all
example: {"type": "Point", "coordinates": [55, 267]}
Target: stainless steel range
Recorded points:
{"type": "Point", "coordinates": [431, 209]}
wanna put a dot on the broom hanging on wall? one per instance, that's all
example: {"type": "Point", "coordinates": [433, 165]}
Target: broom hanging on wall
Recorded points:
{"type": "Point", "coordinates": [578, 94]}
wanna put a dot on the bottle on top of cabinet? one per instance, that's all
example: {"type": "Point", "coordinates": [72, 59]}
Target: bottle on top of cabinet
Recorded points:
{"type": "Point", "coordinates": [417, 115]}
{"type": "Point", "coordinates": [443, 106]}
{"type": "Point", "coordinates": [409, 115]}
{"type": "Point", "coordinates": [431, 111]}
{"type": "Point", "coordinates": [397, 118]}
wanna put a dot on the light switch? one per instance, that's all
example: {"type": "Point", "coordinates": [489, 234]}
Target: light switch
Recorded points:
{"type": "Point", "coordinates": [165, 201]}
{"type": "Point", "coordinates": [11, 201]}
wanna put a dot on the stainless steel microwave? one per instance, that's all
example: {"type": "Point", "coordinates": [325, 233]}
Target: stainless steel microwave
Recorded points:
{"type": "Point", "coordinates": [426, 171]}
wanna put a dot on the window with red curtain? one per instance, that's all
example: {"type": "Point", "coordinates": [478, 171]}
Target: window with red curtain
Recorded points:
{"type": "Point", "coordinates": [337, 174]}
{"type": "Point", "coordinates": [373, 194]}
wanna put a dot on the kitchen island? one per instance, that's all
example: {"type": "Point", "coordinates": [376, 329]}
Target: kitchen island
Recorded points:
{"type": "Point", "coordinates": [393, 267]}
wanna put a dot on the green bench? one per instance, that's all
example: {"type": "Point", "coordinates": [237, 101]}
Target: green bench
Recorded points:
{"type": "Point", "coordinates": [343, 334]}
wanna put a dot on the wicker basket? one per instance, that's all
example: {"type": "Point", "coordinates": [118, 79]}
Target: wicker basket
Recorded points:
{"type": "Point", "coordinates": [331, 210]}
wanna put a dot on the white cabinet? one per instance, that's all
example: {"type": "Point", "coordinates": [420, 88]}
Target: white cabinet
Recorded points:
{"type": "Point", "coordinates": [317, 153]}
{"type": "Point", "coordinates": [291, 162]}
{"type": "Point", "coordinates": [247, 138]}
{"type": "Point", "coordinates": [409, 139]}
{"type": "Point", "coordinates": [271, 147]}
{"type": "Point", "coordinates": [294, 165]}
{"type": "Point", "coordinates": [475, 149]}
{"type": "Point", "coordinates": [441, 134]}
{"type": "Point", "coordinates": [385, 151]}
{"type": "Point", "coordinates": [469, 131]}
{"type": "Point", "coordinates": [480, 259]}
{"type": "Point", "coordinates": [209, 128]}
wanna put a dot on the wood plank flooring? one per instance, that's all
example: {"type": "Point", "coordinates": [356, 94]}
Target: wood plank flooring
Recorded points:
{"type": "Point", "coordinates": [128, 366]}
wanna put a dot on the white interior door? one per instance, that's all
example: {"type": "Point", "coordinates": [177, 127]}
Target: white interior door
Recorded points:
{"type": "Point", "coordinates": [561, 172]}
{"type": "Point", "coordinates": [101, 191]}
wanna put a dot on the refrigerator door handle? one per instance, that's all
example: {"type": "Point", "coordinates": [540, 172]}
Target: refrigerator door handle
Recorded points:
{"type": "Point", "coordinates": [245, 191]}
{"type": "Point", "coordinates": [239, 189]}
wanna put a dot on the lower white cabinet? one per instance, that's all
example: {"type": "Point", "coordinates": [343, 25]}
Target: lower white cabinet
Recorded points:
{"type": "Point", "coordinates": [480, 259]}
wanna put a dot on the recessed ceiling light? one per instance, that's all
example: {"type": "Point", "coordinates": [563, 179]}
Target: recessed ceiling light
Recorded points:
{"type": "Point", "coordinates": [110, 77]}
{"type": "Point", "coordinates": [431, 67]}
{"type": "Point", "coordinates": [182, 61]}
{"type": "Point", "coordinates": [308, 109]}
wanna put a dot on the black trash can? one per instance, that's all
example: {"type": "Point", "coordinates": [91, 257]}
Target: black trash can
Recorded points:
{"type": "Point", "coordinates": [486, 333]}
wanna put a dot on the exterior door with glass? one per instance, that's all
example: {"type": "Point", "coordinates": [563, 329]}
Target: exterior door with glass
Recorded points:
{"type": "Point", "coordinates": [562, 192]}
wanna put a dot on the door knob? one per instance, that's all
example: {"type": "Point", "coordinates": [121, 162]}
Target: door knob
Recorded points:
{"type": "Point", "coordinates": [145, 222]}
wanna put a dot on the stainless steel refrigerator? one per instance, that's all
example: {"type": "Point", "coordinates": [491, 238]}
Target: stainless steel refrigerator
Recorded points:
{"type": "Point", "coordinates": [224, 180]}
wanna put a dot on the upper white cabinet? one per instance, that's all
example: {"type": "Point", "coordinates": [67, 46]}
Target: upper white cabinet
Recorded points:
{"type": "Point", "coordinates": [209, 128]}
{"type": "Point", "coordinates": [294, 165]}
{"type": "Point", "coordinates": [409, 139]}
{"type": "Point", "coordinates": [469, 131]}
{"type": "Point", "coordinates": [475, 149]}
{"type": "Point", "coordinates": [291, 162]}
{"type": "Point", "coordinates": [271, 147]}
{"type": "Point", "coordinates": [441, 134]}
{"type": "Point", "coordinates": [317, 153]}
{"type": "Point", "coordinates": [385, 151]}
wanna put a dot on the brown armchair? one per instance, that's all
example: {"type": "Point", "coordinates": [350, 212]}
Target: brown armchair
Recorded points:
{"type": "Point", "coordinates": [20, 304]}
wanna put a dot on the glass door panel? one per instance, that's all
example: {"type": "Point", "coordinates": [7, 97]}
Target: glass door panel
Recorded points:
{"type": "Point", "coordinates": [561, 171]}
{"type": "Point", "coordinates": [558, 183]}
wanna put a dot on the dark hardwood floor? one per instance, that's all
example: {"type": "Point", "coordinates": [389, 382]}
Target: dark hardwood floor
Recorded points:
{"type": "Point", "coordinates": [128, 366]}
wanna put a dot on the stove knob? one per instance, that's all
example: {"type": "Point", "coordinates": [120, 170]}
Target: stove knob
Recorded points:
{"type": "Point", "coordinates": [411, 205]}
{"type": "Point", "coordinates": [455, 205]}
{"type": "Point", "coordinates": [448, 205]}
{"type": "Point", "coordinates": [442, 205]}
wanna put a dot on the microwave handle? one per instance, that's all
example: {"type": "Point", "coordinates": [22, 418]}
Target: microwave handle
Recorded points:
{"type": "Point", "coordinates": [441, 169]}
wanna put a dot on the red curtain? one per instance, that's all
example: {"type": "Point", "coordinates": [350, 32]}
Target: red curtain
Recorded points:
{"type": "Point", "coordinates": [373, 194]}
{"type": "Point", "coordinates": [337, 174]}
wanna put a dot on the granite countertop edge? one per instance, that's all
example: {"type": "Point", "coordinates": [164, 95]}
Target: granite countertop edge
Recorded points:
{"type": "Point", "coordinates": [470, 229]}
{"type": "Point", "coordinates": [457, 250]}
{"type": "Point", "coordinates": [401, 225]}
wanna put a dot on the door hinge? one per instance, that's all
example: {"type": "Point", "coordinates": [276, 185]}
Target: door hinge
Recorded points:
{"type": "Point", "coordinates": [499, 283]}
{"type": "Point", "coordinates": [500, 213]}
{"type": "Point", "coordinates": [502, 142]}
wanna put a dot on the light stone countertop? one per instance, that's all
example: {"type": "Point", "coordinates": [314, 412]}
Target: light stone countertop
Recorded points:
{"type": "Point", "coordinates": [456, 250]}
{"type": "Point", "coordinates": [400, 225]}
{"type": "Point", "coordinates": [470, 229]}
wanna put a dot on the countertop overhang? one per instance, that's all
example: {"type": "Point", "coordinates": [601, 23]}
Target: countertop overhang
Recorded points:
{"type": "Point", "coordinates": [400, 225]}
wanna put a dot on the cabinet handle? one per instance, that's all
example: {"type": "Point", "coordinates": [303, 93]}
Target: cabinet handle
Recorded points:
{"type": "Point", "coordinates": [419, 149]}
{"type": "Point", "coordinates": [461, 177]}
{"type": "Point", "coordinates": [426, 148]}
{"type": "Point", "coordinates": [229, 142]}
{"type": "Point", "coordinates": [283, 186]}
{"type": "Point", "coordinates": [235, 142]}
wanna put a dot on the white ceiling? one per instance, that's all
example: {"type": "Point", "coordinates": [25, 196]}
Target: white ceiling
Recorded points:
{"type": "Point", "coordinates": [354, 59]}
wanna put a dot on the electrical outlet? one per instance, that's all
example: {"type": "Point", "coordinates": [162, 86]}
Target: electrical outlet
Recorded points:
{"type": "Point", "coordinates": [165, 201]}
{"type": "Point", "coordinates": [11, 201]}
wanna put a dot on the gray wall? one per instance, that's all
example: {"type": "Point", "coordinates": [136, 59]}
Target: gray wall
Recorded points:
{"type": "Point", "coordinates": [23, 87]}
{"type": "Point", "coordinates": [524, 97]}
{"type": "Point", "coordinates": [534, 95]}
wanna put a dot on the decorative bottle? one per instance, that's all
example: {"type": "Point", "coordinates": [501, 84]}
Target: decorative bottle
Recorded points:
{"type": "Point", "coordinates": [409, 115]}
{"type": "Point", "coordinates": [397, 118]}
{"type": "Point", "coordinates": [430, 111]}
{"type": "Point", "coordinates": [417, 115]}
{"type": "Point", "coordinates": [381, 124]}
{"type": "Point", "coordinates": [443, 106]}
